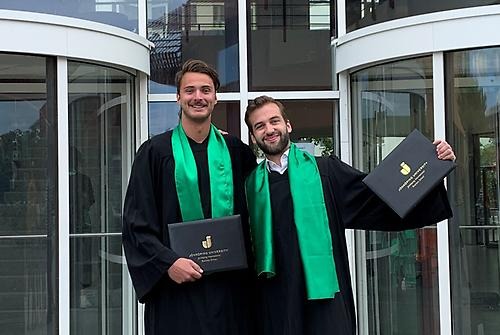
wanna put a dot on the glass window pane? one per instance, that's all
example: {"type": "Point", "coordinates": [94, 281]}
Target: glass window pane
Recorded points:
{"type": "Point", "coordinates": [289, 45]}
{"type": "Point", "coordinates": [118, 13]}
{"type": "Point", "coordinates": [23, 145]}
{"type": "Point", "coordinates": [100, 99]}
{"type": "Point", "coordinates": [28, 208]}
{"type": "Point", "coordinates": [164, 116]}
{"type": "Point", "coordinates": [400, 268]}
{"type": "Point", "coordinates": [363, 13]}
{"type": "Point", "coordinates": [23, 286]}
{"type": "Point", "coordinates": [473, 106]}
{"type": "Point", "coordinates": [96, 293]}
{"type": "Point", "coordinates": [182, 30]}
{"type": "Point", "coordinates": [226, 116]}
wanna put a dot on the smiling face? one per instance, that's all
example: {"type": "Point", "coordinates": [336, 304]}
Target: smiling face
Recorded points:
{"type": "Point", "coordinates": [197, 96]}
{"type": "Point", "coordinates": [270, 131]}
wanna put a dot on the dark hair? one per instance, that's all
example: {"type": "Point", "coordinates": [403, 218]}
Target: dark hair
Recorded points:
{"type": "Point", "coordinates": [259, 102]}
{"type": "Point", "coordinates": [198, 66]}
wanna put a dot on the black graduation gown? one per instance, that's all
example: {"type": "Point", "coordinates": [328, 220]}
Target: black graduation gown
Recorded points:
{"type": "Point", "coordinates": [217, 304]}
{"type": "Point", "coordinates": [283, 307]}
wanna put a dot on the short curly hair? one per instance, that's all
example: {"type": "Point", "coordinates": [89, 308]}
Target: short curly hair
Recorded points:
{"type": "Point", "coordinates": [259, 102]}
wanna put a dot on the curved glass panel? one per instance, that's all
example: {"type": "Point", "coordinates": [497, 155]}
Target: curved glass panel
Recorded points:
{"type": "Point", "coordinates": [181, 30]}
{"type": "Point", "coordinates": [100, 100]}
{"type": "Point", "coordinates": [289, 45]}
{"type": "Point", "coordinates": [164, 116]}
{"type": "Point", "coordinates": [96, 285]}
{"type": "Point", "coordinates": [473, 123]}
{"type": "Point", "coordinates": [118, 13]}
{"type": "Point", "coordinates": [28, 205]}
{"type": "Point", "coordinates": [363, 13]}
{"type": "Point", "coordinates": [399, 268]}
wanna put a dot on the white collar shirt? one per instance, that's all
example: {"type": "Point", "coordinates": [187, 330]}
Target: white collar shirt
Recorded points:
{"type": "Point", "coordinates": [272, 166]}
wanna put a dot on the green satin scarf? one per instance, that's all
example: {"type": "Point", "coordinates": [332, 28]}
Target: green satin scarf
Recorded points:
{"type": "Point", "coordinates": [186, 176]}
{"type": "Point", "coordinates": [311, 221]}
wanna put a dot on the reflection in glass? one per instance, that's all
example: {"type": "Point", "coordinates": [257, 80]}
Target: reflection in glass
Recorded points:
{"type": "Point", "coordinates": [27, 195]}
{"type": "Point", "coordinates": [23, 145]}
{"type": "Point", "coordinates": [118, 13]}
{"type": "Point", "coordinates": [99, 99]}
{"type": "Point", "coordinates": [164, 116]}
{"type": "Point", "coordinates": [96, 309]}
{"type": "Point", "coordinates": [23, 286]}
{"type": "Point", "coordinates": [363, 13]}
{"type": "Point", "coordinates": [226, 116]}
{"type": "Point", "coordinates": [400, 267]}
{"type": "Point", "coordinates": [289, 45]}
{"type": "Point", "coordinates": [182, 30]}
{"type": "Point", "coordinates": [473, 121]}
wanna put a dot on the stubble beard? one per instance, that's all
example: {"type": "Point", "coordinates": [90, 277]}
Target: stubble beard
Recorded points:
{"type": "Point", "coordinates": [277, 148]}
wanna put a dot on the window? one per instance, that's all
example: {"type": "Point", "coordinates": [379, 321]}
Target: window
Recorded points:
{"type": "Point", "coordinates": [289, 45]}
{"type": "Point", "coordinates": [399, 268]}
{"type": "Point", "coordinates": [206, 30]}
{"type": "Point", "coordinates": [28, 199]}
{"type": "Point", "coordinates": [473, 106]}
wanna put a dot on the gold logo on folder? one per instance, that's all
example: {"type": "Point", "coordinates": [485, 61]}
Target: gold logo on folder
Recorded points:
{"type": "Point", "coordinates": [207, 242]}
{"type": "Point", "coordinates": [405, 168]}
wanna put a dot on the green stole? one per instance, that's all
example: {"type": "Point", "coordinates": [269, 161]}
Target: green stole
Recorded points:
{"type": "Point", "coordinates": [311, 221]}
{"type": "Point", "coordinates": [186, 176]}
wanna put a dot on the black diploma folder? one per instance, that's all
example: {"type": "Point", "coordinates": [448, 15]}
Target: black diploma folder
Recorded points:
{"type": "Point", "coordinates": [408, 173]}
{"type": "Point", "coordinates": [214, 244]}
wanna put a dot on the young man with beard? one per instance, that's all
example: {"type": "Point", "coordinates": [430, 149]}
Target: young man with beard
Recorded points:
{"type": "Point", "coordinates": [189, 173]}
{"type": "Point", "coordinates": [299, 209]}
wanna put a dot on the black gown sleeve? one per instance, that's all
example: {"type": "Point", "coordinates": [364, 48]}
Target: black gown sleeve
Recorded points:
{"type": "Point", "coordinates": [148, 258]}
{"type": "Point", "coordinates": [242, 156]}
{"type": "Point", "coordinates": [360, 208]}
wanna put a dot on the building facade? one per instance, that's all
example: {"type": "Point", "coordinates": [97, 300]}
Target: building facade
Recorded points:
{"type": "Point", "coordinates": [83, 83]}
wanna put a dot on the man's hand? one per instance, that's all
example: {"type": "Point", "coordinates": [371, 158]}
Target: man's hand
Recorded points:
{"type": "Point", "coordinates": [444, 150]}
{"type": "Point", "coordinates": [223, 132]}
{"type": "Point", "coordinates": [184, 270]}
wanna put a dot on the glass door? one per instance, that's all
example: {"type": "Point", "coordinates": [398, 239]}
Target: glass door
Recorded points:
{"type": "Point", "coordinates": [397, 271]}
{"type": "Point", "coordinates": [100, 105]}
{"type": "Point", "coordinates": [473, 107]}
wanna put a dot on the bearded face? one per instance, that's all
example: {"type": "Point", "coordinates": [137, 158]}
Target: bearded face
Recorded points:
{"type": "Point", "coordinates": [270, 131]}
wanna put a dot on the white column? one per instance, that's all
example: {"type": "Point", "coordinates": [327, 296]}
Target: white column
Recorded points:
{"type": "Point", "coordinates": [242, 45]}
{"type": "Point", "coordinates": [142, 18]}
{"type": "Point", "coordinates": [442, 227]}
{"type": "Point", "coordinates": [142, 120]}
{"type": "Point", "coordinates": [345, 119]}
{"type": "Point", "coordinates": [346, 147]}
{"type": "Point", "coordinates": [63, 194]}
{"type": "Point", "coordinates": [341, 18]}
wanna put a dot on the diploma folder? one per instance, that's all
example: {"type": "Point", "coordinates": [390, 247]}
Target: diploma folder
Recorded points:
{"type": "Point", "coordinates": [214, 244]}
{"type": "Point", "coordinates": [408, 173]}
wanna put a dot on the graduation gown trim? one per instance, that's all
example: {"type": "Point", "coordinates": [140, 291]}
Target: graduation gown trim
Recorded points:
{"type": "Point", "coordinates": [186, 176]}
{"type": "Point", "coordinates": [310, 218]}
